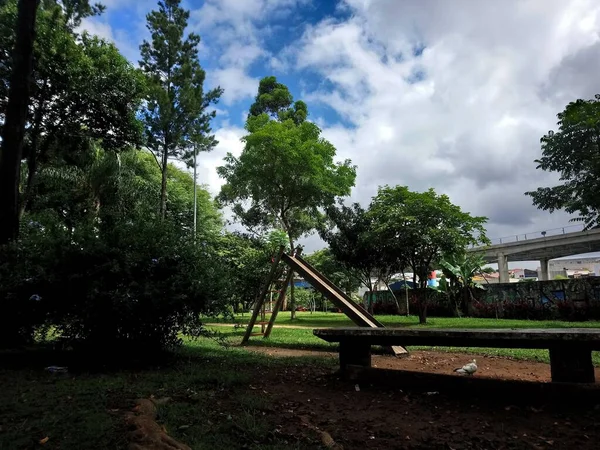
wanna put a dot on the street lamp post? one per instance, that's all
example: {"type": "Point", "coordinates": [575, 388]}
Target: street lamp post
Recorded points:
{"type": "Point", "coordinates": [195, 197]}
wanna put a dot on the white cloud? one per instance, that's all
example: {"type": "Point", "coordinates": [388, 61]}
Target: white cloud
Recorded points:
{"type": "Point", "coordinates": [236, 84]}
{"type": "Point", "coordinates": [236, 31]}
{"type": "Point", "coordinates": [495, 76]}
{"type": "Point", "coordinates": [127, 39]}
{"type": "Point", "coordinates": [229, 142]}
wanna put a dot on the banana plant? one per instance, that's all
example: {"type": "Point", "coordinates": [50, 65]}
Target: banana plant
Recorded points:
{"type": "Point", "coordinates": [459, 270]}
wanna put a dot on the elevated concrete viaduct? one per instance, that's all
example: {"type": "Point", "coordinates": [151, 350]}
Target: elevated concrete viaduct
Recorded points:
{"type": "Point", "coordinates": [540, 249]}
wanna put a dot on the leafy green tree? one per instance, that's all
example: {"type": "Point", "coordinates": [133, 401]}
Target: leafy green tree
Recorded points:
{"type": "Point", "coordinates": [176, 115]}
{"type": "Point", "coordinates": [354, 242]}
{"type": "Point", "coordinates": [247, 259]}
{"type": "Point", "coordinates": [426, 226]}
{"type": "Point", "coordinates": [572, 152]}
{"type": "Point", "coordinates": [106, 271]}
{"type": "Point", "coordinates": [324, 261]}
{"type": "Point", "coordinates": [82, 89]}
{"type": "Point", "coordinates": [18, 67]}
{"type": "Point", "coordinates": [275, 99]}
{"type": "Point", "coordinates": [285, 173]}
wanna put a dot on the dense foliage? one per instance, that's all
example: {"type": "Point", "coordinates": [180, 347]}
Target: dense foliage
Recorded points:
{"type": "Point", "coordinates": [400, 230]}
{"type": "Point", "coordinates": [572, 152]}
{"type": "Point", "coordinates": [103, 259]}
{"type": "Point", "coordinates": [175, 116]}
{"type": "Point", "coordinates": [102, 269]}
{"type": "Point", "coordinates": [287, 170]}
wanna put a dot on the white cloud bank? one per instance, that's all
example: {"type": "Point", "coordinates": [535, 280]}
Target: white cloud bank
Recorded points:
{"type": "Point", "coordinates": [494, 76]}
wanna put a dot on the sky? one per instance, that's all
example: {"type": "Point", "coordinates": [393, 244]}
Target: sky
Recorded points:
{"type": "Point", "coordinates": [453, 95]}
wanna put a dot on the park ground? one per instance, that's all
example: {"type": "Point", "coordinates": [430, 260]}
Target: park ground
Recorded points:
{"type": "Point", "coordinates": [284, 393]}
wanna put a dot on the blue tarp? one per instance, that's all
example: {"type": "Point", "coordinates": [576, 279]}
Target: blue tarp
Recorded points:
{"type": "Point", "coordinates": [399, 285]}
{"type": "Point", "coordinates": [302, 284]}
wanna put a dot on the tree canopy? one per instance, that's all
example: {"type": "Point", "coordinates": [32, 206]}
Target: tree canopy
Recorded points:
{"type": "Point", "coordinates": [82, 89]}
{"type": "Point", "coordinates": [325, 262]}
{"type": "Point", "coordinates": [287, 170]}
{"type": "Point", "coordinates": [349, 233]}
{"type": "Point", "coordinates": [176, 116]}
{"type": "Point", "coordinates": [285, 173]}
{"type": "Point", "coordinates": [104, 269]}
{"type": "Point", "coordinates": [572, 152]}
{"type": "Point", "coordinates": [423, 226]}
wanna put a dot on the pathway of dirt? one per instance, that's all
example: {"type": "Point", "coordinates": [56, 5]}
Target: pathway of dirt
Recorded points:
{"type": "Point", "coordinates": [309, 403]}
{"type": "Point", "coordinates": [501, 368]}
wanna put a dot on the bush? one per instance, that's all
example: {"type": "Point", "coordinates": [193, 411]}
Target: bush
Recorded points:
{"type": "Point", "coordinates": [137, 288]}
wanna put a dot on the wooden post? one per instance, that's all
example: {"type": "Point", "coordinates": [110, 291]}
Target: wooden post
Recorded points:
{"type": "Point", "coordinates": [571, 364]}
{"type": "Point", "coordinates": [260, 300]}
{"type": "Point", "coordinates": [281, 298]}
{"type": "Point", "coordinates": [355, 352]}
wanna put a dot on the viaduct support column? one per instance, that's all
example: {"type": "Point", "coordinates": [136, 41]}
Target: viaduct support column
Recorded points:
{"type": "Point", "coordinates": [503, 268]}
{"type": "Point", "coordinates": [544, 269]}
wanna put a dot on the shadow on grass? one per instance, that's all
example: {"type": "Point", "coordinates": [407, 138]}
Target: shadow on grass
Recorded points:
{"type": "Point", "coordinates": [211, 406]}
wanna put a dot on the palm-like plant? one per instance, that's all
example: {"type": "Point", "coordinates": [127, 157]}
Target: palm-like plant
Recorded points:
{"type": "Point", "coordinates": [460, 269]}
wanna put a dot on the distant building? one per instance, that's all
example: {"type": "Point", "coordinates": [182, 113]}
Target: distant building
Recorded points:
{"type": "Point", "coordinates": [523, 273]}
{"type": "Point", "coordinates": [574, 267]}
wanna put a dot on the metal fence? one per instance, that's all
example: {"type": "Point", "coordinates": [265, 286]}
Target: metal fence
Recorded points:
{"type": "Point", "coordinates": [536, 234]}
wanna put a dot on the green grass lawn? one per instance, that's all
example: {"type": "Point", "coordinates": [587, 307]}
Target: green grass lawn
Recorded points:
{"type": "Point", "coordinates": [320, 319]}
{"type": "Point", "coordinates": [212, 406]}
{"type": "Point", "coordinates": [304, 339]}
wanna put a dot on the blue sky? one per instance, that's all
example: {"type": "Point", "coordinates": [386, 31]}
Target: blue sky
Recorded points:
{"type": "Point", "coordinates": [428, 93]}
{"type": "Point", "coordinates": [272, 34]}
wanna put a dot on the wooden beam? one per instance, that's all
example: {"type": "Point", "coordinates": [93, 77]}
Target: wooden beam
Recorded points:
{"type": "Point", "coordinates": [263, 294]}
{"type": "Point", "coordinates": [281, 298]}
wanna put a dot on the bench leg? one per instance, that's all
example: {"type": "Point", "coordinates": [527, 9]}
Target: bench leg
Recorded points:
{"type": "Point", "coordinates": [355, 353]}
{"type": "Point", "coordinates": [571, 365]}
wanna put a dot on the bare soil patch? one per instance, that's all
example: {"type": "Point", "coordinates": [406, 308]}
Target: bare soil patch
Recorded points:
{"type": "Point", "coordinates": [310, 403]}
{"type": "Point", "coordinates": [500, 368]}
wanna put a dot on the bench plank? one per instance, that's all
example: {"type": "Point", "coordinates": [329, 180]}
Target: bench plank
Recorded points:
{"type": "Point", "coordinates": [461, 337]}
{"type": "Point", "coordinates": [570, 348]}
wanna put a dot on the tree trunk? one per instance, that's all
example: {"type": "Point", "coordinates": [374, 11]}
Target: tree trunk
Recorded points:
{"type": "Point", "coordinates": [34, 152]}
{"type": "Point", "coordinates": [163, 185]}
{"type": "Point", "coordinates": [31, 171]}
{"type": "Point", "coordinates": [422, 297]}
{"type": "Point", "coordinates": [405, 292]}
{"type": "Point", "coordinates": [15, 119]}
{"type": "Point", "coordinates": [423, 310]}
{"type": "Point", "coordinates": [292, 295]}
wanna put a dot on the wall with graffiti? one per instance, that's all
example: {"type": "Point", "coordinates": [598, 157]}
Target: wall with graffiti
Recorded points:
{"type": "Point", "coordinates": [572, 299]}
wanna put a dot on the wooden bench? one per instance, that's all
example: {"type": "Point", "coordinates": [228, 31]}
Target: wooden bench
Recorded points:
{"type": "Point", "coordinates": [570, 348]}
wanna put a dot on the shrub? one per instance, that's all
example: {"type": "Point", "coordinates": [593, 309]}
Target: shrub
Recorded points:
{"type": "Point", "coordinates": [137, 288]}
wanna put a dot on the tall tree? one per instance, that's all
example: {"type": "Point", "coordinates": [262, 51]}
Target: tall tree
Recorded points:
{"type": "Point", "coordinates": [573, 152]}
{"type": "Point", "coordinates": [14, 121]}
{"type": "Point", "coordinates": [81, 88]}
{"type": "Point", "coordinates": [286, 171]}
{"type": "Point", "coordinates": [176, 116]}
{"type": "Point", "coordinates": [425, 225]}
{"type": "Point", "coordinates": [357, 241]}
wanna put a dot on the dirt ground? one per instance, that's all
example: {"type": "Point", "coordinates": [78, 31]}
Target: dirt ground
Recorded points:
{"type": "Point", "coordinates": [442, 363]}
{"type": "Point", "coordinates": [351, 415]}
